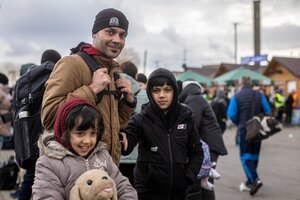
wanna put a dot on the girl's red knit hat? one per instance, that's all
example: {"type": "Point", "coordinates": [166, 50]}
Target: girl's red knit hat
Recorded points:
{"type": "Point", "coordinates": [62, 113]}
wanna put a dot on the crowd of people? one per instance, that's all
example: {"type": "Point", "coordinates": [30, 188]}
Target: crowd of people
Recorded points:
{"type": "Point", "coordinates": [157, 138]}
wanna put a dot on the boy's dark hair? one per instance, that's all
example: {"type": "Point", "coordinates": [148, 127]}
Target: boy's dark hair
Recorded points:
{"type": "Point", "coordinates": [88, 117]}
{"type": "Point", "coordinates": [160, 81]}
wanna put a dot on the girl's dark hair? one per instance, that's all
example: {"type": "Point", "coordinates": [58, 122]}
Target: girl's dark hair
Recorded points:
{"type": "Point", "coordinates": [159, 81]}
{"type": "Point", "coordinates": [88, 117]}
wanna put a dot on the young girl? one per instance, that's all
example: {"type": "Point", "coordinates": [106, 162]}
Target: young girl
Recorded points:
{"type": "Point", "coordinates": [72, 149]}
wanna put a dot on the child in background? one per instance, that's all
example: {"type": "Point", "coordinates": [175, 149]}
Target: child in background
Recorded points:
{"type": "Point", "coordinates": [72, 149]}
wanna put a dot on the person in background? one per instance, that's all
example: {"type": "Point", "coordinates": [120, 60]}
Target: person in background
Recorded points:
{"type": "Point", "coordinates": [5, 113]}
{"type": "Point", "coordinates": [169, 151]}
{"type": "Point", "coordinates": [25, 191]}
{"type": "Point", "coordinates": [279, 103]}
{"type": "Point", "coordinates": [219, 106]}
{"type": "Point", "coordinates": [112, 94]}
{"type": "Point", "coordinates": [73, 149]}
{"type": "Point", "coordinates": [206, 123]}
{"type": "Point", "coordinates": [289, 108]}
{"type": "Point", "coordinates": [239, 111]}
{"type": "Point", "coordinates": [142, 80]}
{"type": "Point", "coordinates": [127, 163]}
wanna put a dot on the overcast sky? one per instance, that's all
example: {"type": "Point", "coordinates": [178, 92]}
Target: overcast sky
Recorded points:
{"type": "Point", "coordinates": [165, 28]}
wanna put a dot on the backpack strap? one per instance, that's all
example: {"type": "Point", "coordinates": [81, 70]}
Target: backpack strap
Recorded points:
{"type": "Point", "coordinates": [93, 65]}
{"type": "Point", "coordinates": [89, 60]}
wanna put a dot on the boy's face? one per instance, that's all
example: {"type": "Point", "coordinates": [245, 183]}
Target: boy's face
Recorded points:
{"type": "Point", "coordinates": [163, 96]}
{"type": "Point", "coordinates": [83, 141]}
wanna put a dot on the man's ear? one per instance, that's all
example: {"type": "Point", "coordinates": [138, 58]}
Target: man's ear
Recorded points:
{"type": "Point", "coordinates": [93, 35]}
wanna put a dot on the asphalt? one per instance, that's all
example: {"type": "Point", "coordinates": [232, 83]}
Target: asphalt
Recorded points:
{"type": "Point", "coordinates": [279, 169]}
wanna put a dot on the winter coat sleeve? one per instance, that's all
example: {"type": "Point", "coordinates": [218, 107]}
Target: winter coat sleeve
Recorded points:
{"type": "Point", "coordinates": [207, 124]}
{"type": "Point", "coordinates": [132, 133]}
{"type": "Point", "coordinates": [47, 185]}
{"type": "Point", "coordinates": [124, 188]}
{"type": "Point", "coordinates": [265, 105]}
{"type": "Point", "coordinates": [232, 110]}
{"type": "Point", "coordinates": [195, 155]}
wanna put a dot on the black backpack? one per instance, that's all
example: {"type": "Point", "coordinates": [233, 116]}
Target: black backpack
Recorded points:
{"type": "Point", "coordinates": [29, 91]}
{"type": "Point", "coordinates": [9, 171]}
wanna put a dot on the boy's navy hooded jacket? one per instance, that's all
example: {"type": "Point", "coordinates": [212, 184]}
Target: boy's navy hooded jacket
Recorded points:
{"type": "Point", "coordinates": [169, 152]}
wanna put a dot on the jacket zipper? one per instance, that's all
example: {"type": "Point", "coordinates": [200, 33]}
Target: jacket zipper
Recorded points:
{"type": "Point", "coordinates": [87, 165]}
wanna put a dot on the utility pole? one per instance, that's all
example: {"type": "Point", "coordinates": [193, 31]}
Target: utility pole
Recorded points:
{"type": "Point", "coordinates": [145, 62]}
{"type": "Point", "coordinates": [256, 16]}
{"type": "Point", "coordinates": [235, 42]}
{"type": "Point", "coordinates": [184, 66]}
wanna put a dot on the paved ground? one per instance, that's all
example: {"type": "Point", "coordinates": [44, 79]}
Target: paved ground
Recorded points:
{"type": "Point", "coordinates": [279, 169]}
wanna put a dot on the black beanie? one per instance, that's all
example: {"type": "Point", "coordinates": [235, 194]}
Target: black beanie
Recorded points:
{"type": "Point", "coordinates": [110, 18]}
{"type": "Point", "coordinates": [50, 55]}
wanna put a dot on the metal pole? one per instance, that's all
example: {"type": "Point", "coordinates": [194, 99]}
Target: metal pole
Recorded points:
{"type": "Point", "coordinates": [235, 42]}
{"type": "Point", "coordinates": [256, 15]}
{"type": "Point", "coordinates": [145, 61]}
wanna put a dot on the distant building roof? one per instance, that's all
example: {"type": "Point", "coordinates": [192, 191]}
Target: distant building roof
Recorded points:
{"type": "Point", "coordinates": [291, 64]}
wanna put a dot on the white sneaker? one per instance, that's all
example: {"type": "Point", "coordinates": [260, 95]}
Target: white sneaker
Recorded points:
{"type": "Point", "coordinates": [214, 174]}
{"type": "Point", "coordinates": [243, 187]}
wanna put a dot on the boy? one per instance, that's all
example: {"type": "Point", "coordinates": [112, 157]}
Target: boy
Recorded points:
{"type": "Point", "coordinates": [169, 152]}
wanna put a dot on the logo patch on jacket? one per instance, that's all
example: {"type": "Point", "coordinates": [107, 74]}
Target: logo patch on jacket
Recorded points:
{"type": "Point", "coordinates": [181, 126]}
{"type": "Point", "coordinates": [154, 149]}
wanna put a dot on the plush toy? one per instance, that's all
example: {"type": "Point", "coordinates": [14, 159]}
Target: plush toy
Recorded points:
{"type": "Point", "coordinates": [94, 184]}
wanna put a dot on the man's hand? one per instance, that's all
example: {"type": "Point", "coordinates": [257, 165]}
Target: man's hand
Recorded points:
{"type": "Point", "coordinates": [124, 141]}
{"type": "Point", "coordinates": [100, 80]}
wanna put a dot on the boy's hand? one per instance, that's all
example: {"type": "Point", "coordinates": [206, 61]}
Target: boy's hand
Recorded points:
{"type": "Point", "coordinates": [124, 141]}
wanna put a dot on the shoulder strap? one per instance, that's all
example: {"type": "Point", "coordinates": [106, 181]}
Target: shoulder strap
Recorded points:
{"type": "Point", "coordinates": [89, 60]}
{"type": "Point", "coordinates": [93, 65]}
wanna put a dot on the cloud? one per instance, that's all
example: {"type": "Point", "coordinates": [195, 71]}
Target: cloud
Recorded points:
{"type": "Point", "coordinates": [199, 32]}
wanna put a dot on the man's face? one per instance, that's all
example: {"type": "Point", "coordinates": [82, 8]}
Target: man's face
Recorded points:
{"type": "Point", "coordinates": [110, 41]}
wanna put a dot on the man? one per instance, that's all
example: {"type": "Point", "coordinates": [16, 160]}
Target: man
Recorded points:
{"type": "Point", "coordinates": [239, 111]}
{"type": "Point", "coordinates": [72, 77]}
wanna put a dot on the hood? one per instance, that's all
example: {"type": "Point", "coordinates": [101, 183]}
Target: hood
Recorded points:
{"type": "Point", "coordinates": [187, 83]}
{"type": "Point", "coordinates": [189, 88]}
{"type": "Point", "coordinates": [161, 72]}
{"type": "Point", "coordinates": [51, 148]}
